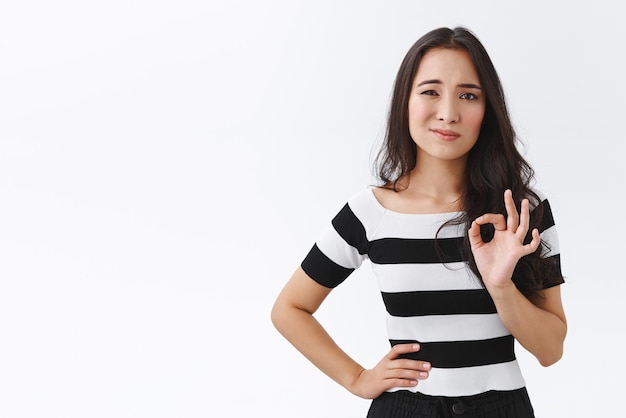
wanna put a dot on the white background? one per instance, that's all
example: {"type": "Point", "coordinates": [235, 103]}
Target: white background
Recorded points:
{"type": "Point", "coordinates": [165, 166]}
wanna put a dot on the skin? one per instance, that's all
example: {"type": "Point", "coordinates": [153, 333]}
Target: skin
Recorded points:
{"type": "Point", "coordinates": [445, 98]}
{"type": "Point", "coordinates": [446, 108]}
{"type": "Point", "coordinates": [539, 326]}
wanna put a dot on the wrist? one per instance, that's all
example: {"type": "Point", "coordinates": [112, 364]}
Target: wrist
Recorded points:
{"type": "Point", "coordinates": [501, 290]}
{"type": "Point", "coordinates": [353, 384]}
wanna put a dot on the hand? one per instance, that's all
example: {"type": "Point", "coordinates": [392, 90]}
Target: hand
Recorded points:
{"type": "Point", "coordinates": [391, 372]}
{"type": "Point", "coordinates": [497, 258]}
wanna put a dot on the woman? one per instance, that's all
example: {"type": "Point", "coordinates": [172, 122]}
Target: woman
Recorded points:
{"type": "Point", "coordinates": [464, 250]}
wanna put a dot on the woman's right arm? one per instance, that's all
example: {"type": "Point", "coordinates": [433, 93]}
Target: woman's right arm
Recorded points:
{"type": "Point", "coordinates": [292, 316]}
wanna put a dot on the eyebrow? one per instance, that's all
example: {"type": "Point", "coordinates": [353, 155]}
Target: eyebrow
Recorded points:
{"type": "Point", "coordinates": [464, 85]}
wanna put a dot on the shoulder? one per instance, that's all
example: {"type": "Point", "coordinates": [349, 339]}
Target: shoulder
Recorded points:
{"type": "Point", "coordinates": [538, 198]}
{"type": "Point", "coordinates": [396, 200]}
{"type": "Point", "coordinates": [363, 207]}
{"type": "Point", "coordinates": [541, 195]}
{"type": "Point", "coordinates": [383, 195]}
{"type": "Point", "coordinates": [365, 202]}
{"type": "Point", "coordinates": [359, 216]}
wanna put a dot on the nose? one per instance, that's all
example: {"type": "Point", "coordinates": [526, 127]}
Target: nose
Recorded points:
{"type": "Point", "coordinates": [447, 111]}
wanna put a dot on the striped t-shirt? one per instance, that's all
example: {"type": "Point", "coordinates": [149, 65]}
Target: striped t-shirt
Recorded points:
{"type": "Point", "coordinates": [430, 294]}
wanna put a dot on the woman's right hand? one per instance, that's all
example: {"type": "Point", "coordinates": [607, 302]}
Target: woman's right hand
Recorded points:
{"type": "Point", "coordinates": [391, 372]}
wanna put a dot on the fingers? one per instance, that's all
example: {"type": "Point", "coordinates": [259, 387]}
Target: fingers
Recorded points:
{"type": "Point", "coordinates": [512, 221]}
{"type": "Point", "coordinates": [407, 368]}
{"type": "Point", "coordinates": [399, 349]}
{"type": "Point", "coordinates": [524, 221]}
{"type": "Point", "coordinates": [422, 367]}
{"type": "Point", "coordinates": [496, 219]}
{"type": "Point", "coordinates": [400, 383]}
{"type": "Point", "coordinates": [392, 371]}
{"type": "Point", "coordinates": [474, 235]}
{"type": "Point", "coordinates": [532, 246]}
{"type": "Point", "coordinates": [404, 378]}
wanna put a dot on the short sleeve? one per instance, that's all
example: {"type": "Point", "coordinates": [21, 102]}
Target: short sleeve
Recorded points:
{"type": "Point", "coordinates": [338, 251]}
{"type": "Point", "coordinates": [550, 249]}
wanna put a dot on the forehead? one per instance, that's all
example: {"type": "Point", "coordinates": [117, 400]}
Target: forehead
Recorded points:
{"type": "Point", "coordinates": [446, 64]}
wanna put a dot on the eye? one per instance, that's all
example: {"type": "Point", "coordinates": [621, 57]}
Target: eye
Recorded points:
{"type": "Point", "coordinates": [469, 96]}
{"type": "Point", "coordinates": [430, 93]}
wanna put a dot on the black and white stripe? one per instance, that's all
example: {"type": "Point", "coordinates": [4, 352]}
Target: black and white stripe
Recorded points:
{"type": "Point", "coordinates": [430, 294]}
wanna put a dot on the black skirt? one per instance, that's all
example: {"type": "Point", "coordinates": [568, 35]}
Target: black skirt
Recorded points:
{"type": "Point", "coordinates": [492, 404]}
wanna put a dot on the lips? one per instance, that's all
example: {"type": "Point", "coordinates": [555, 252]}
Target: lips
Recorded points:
{"type": "Point", "coordinates": [445, 134]}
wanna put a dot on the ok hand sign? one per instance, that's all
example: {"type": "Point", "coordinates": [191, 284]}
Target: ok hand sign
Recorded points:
{"type": "Point", "coordinates": [497, 258]}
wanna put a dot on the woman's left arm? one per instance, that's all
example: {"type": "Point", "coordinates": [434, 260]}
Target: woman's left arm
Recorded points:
{"type": "Point", "coordinates": [540, 326]}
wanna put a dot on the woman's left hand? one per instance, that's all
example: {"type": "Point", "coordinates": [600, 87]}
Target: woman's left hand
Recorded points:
{"type": "Point", "coordinates": [497, 258]}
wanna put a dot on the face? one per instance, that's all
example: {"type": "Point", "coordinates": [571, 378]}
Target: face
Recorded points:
{"type": "Point", "coordinates": [446, 106]}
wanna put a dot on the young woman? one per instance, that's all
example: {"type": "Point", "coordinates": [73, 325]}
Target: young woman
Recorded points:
{"type": "Point", "coordinates": [464, 250]}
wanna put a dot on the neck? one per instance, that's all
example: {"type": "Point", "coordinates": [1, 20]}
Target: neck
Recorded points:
{"type": "Point", "coordinates": [442, 180]}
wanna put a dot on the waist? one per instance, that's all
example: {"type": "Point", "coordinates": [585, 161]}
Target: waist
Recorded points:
{"type": "Point", "coordinates": [483, 403]}
{"type": "Point", "coordinates": [456, 354]}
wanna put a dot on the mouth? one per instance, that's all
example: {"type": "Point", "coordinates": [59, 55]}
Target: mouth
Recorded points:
{"type": "Point", "coordinates": [446, 134]}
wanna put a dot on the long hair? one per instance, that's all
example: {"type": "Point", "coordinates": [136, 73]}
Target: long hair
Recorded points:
{"type": "Point", "coordinates": [494, 164]}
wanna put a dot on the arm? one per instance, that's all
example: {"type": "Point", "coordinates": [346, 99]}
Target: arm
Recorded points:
{"type": "Point", "coordinates": [292, 315]}
{"type": "Point", "coordinates": [539, 326]}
